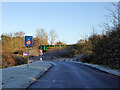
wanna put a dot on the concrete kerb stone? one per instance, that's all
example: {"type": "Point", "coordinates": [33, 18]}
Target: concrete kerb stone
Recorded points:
{"type": "Point", "coordinates": [96, 68]}
{"type": "Point", "coordinates": [38, 77]}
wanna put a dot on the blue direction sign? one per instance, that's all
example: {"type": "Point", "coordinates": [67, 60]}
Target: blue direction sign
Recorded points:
{"type": "Point", "coordinates": [28, 40]}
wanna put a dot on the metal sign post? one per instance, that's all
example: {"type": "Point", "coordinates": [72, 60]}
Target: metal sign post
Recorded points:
{"type": "Point", "coordinates": [28, 42]}
{"type": "Point", "coordinates": [28, 58]}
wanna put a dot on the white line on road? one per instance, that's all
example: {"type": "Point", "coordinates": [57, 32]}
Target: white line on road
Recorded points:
{"type": "Point", "coordinates": [52, 63]}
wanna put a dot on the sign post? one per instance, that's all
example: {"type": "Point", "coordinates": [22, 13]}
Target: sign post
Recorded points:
{"type": "Point", "coordinates": [28, 42]}
{"type": "Point", "coordinates": [40, 53]}
{"type": "Point", "coordinates": [28, 58]}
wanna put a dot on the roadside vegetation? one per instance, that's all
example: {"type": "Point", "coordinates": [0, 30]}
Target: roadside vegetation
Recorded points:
{"type": "Point", "coordinates": [102, 49]}
{"type": "Point", "coordinates": [13, 46]}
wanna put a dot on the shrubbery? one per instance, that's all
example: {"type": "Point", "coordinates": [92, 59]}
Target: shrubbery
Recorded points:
{"type": "Point", "coordinates": [105, 49]}
{"type": "Point", "coordinates": [9, 60]}
{"type": "Point", "coordinates": [60, 53]}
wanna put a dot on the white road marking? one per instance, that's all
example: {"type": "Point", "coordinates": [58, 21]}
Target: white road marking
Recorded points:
{"type": "Point", "coordinates": [52, 63]}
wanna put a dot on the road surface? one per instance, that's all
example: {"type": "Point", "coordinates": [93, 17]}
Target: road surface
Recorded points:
{"type": "Point", "coordinates": [74, 75]}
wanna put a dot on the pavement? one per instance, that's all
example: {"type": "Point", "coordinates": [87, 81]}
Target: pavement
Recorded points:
{"type": "Point", "coordinates": [21, 76]}
{"type": "Point", "coordinates": [75, 75]}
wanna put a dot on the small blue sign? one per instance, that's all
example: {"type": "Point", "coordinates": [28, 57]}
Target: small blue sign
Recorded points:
{"type": "Point", "coordinates": [28, 40]}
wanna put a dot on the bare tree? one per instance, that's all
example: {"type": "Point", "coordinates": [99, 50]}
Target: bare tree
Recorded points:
{"type": "Point", "coordinates": [119, 13]}
{"type": "Point", "coordinates": [42, 36]}
{"type": "Point", "coordinates": [19, 34]}
{"type": "Point", "coordinates": [113, 19]}
{"type": "Point", "coordinates": [53, 36]}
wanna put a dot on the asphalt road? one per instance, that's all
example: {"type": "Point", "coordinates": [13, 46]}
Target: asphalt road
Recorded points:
{"type": "Point", "coordinates": [73, 75]}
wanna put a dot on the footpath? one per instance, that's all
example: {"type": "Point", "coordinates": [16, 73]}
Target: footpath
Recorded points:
{"type": "Point", "coordinates": [21, 76]}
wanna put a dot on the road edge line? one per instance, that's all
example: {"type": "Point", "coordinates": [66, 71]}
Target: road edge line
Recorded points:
{"type": "Point", "coordinates": [97, 69]}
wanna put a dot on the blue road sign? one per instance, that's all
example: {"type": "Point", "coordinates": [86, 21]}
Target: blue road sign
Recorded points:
{"type": "Point", "coordinates": [28, 40]}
